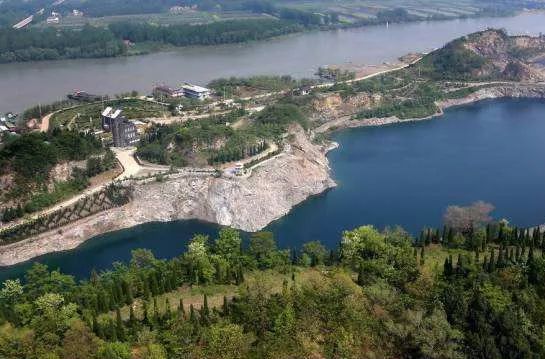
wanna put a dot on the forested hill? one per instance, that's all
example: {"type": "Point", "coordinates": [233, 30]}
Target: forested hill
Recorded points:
{"type": "Point", "coordinates": [469, 290]}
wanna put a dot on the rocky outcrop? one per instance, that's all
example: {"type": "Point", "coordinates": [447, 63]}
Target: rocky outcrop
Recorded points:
{"type": "Point", "coordinates": [499, 91]}
{"type": "Point", "coordinates": [249, 203]}
{"type": "Point", "coordinates": [506, 90]}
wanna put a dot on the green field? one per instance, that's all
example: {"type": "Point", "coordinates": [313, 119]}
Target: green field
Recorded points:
{"type": "Point", "coordinates": [355, 10]}
{"type": "Point", "coordinates": [350, 11]}
{"type": "Point", "coordinates": [185, 18]}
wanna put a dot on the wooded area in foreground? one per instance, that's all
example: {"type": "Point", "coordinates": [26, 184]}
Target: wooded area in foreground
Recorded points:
{"type": "Point", "coordinates": [469, 290]}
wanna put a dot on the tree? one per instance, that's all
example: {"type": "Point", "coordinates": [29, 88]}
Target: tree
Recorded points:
{"type": "Point", "coordinates": [262, 247]}
{"type": "Point", "coordinates": [120, 328]}
{"type": "Point", "coordinates": [228, 245]}
{"type": "Point", "coordinates": [114, 350]}
{"type": "Point", "coordinates": [142, 258]}
{"type": "Point", "coordinates": [79, 342]}
{"type": "Point", "coordinates": [199, 259]}
{"type": "Point", "coordinates": [316, 251]}
{"type": "Point", "coordinates": [52, 315]}
{"type": "Point", "coordinates": [466, 218]}
{"type": "Point", "coordinates": [226, 341]}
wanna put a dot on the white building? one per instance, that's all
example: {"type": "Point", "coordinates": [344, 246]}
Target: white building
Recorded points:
{"type": "Point", "coordinates": [196, 92]}
{"type": "Point", "coordinates": [53, 19]}
{"type": "Point", "coordinates": [239, 169]}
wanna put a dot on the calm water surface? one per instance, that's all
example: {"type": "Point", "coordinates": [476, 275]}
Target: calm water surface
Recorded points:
{"type": "Point", "coordinates": [26, 84]}
{"type": "Point", "coordinates": [402, 174]}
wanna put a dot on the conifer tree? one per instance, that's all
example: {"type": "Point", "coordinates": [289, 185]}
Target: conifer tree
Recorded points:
{"type": "Point", "coordinates": [485, 263]}
{"type": "Point", "coordinates": [94, 277]}
{"type": "Point", "coordinates": [146, 287]}
{"type": "Point", "coordinates": [225, 308]}
{"type": "Point", "coordinates": [422, 257]}
{"type": "Point", "coordinates": [517, 253]}
{"type": "Point", "coordinates": [156, 316]}
{"type": "Point", "coordinates": [459, 264]}
{"type": "Point", "coordinates": [168, 313]}
{"type": "Point", "coordinates": [477, 254]}
{"type": "Point", "coordinates": [492, 262]}
{"type": "Point", "coordinates": [112, 330]}
{"type": "Point", "coordinates": [428, 237]}
{"type": "Point", "coordinates": [530, 255]}
{"type": "Point", "coordinates": [132, 317]}
{"type": "Point", "coordinates": [205, 313]}
{"type": "Point", "coordinates": [95, 324]}
{"type": "Point", "coordinates": [119, 325]}
{"type": "Point", "coordinates": [192, 315]}
{"type": "Point", "coordinates": [361, 276]}
{"type": "Point", "coordinates": [447, 268]}
{"type": "Point", "coordinates": [154, 286]}
{"type": "Point", "coordinates": [145, 319]}
{"type": "Point", "coordinates": [181, 309]}
{"type": "Point", "coordinates": [450, 236]}
{"type": "Point", "coordinates": [128, 292]}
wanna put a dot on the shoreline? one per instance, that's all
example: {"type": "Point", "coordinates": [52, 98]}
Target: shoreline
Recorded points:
{"type": "Point", "coordinates": [506, 91]}
{"type": "Point", "coordinates": [299, 172]}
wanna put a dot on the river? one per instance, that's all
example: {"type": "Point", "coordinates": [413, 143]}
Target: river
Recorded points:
{"type": "Point", "coordinates": [404, 174]}
{"type": "Point", "coordinates": [26, 84]}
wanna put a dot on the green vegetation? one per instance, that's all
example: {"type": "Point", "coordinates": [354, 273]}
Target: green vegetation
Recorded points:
{"type": "Point", "coordinates": [113, 196]}
{"type": "Point", "coordinates": [452, 62]}
{"type": "Point", "coordinates": [209, 34]}
{"type": "Point", "coordinates": [52, 44]}
{"type": "Point", "coordinates": [84, 116]}
{"type": "Point", "coordinates": [214, 140]}
{"type": "Point", "coordinates": [403, 110]}
{"type": "Point", "coordinates": [29, 159]}
{"type": "Point", "coordinates": [335, 74]}
{"type": "Point", "coordinates": [236, 85]}
{"type": "Point", "coordinates": [460, 292]}
{"type": "Point", "coordinates": [31, 156]}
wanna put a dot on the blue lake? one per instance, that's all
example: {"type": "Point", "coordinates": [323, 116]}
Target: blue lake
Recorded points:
{"type": "Point", "coordinates": [404, 174]}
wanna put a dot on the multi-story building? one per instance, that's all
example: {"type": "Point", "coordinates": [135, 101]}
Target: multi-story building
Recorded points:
{"type": "Point", "coordinates": [124, 132]}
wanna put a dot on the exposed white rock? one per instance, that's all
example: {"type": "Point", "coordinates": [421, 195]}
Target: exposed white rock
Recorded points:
{"type": "Point", "coordinates": [248, 204]}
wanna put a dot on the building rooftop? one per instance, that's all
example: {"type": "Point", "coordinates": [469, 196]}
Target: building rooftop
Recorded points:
{"type": "Point", "coordinates": [108, 112]}
{"type": "Point", "coordinates": [195, 88]}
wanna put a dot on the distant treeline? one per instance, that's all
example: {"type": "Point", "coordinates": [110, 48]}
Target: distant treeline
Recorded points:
{"type": "Point", "coordinates": [51, 44]}
{"type": "Point", "coordinates": [206, 34]}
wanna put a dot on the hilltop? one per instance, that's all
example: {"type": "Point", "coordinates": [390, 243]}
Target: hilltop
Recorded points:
{"type": "Point", "coordinates": [488, 55]}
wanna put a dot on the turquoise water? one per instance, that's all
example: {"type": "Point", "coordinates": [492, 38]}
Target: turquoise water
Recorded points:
{"type": "Point", "coordinates": [404, 174]}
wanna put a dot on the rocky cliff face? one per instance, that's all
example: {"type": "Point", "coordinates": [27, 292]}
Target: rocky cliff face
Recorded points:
{"type": "Point", "coordinates": [245, 203]}
{"type": "Point", "coordinates": [249, 203]}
